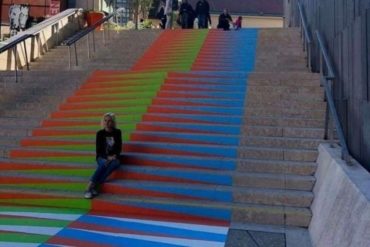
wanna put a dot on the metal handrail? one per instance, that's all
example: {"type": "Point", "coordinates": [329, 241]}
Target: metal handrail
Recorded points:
{"type": "Point", "coordinates": [73, 40]}
{"type": "Point", "coordinates": [327, 78]}
{"type": "Point", "coordinates": [325, 56]}
{"type": "Point", "coordinates": [87, 30]}
{"type": "Point", "coordinates": [306, 37]}
{"type": "Point", "coordinates": [13, 44]}
{"type": "Point", "coordinates": [31, 32]}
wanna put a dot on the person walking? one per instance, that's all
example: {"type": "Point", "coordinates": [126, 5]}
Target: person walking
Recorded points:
{"type": "Point", "coordinates": [238, 23]}
{"type": "Point", "coordinates": [168, 11]}
{"type": "Point", "coordinates": [224, 20]}
{"type": "Point", "coordinates": [108, 149]}
{"type": "Point", "coordinates": [186, 15]}
{"type": "Point", "coordinates": [161, 16]}
{"type": "Point", "coordinates": [202, 12]}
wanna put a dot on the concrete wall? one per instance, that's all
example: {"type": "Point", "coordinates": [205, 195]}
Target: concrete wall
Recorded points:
{"type": "Point", "coordinates": [341, 208]}
{"type": "Point", "coordinates": [46, 39]}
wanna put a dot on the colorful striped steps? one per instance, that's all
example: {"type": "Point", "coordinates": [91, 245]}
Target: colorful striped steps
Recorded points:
{"type": "Point", "coordinates": [182, 156]}
{"type": "Point", "coordinates": [215, 213]}
{"type": "Point", "coordinates": [212, 193]}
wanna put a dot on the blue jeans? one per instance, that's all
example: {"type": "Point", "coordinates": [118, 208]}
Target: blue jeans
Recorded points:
{"type": "Point", "coordinates": [103, 171]}
{"type": "Point", "coordinates": [202, 21]}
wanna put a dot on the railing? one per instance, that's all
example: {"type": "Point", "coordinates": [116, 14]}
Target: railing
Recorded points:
{"type": "Point", "coordinates": [306, 38]}
{"type": "Point", "coordinates": [32, 32]}
{"type": "Point", "coordinates": [13, 44]}
{"type": "Point", "coordinates": [73, 40]}
{"type": "Point", "coordinates": [327, 78]}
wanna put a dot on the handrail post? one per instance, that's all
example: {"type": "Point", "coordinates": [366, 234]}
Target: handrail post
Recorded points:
{"type": "Point", "coordinates": [331, 122]}
{"type": "Point", "coordinates": [93, 36]}
{"type": "Point", "coordinates": [75, 53]}
{"type": "Point", "coordinates": [70, 57]}
{"type": "Point", "coordinates": [25, 53]}
{"type": "Point", "coordinates": [309, 57]}
{"type": "Point", "coordinates": [88, 46]}
{"type": "Point", "coordinates": [15, 63]}
{"type": "Point", "coordinates": [57, 28]}
{"type": "Point", "coordinates": [104, 43]}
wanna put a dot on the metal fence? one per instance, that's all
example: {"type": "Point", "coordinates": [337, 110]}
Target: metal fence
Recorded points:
{"type": "Point", "coordinates": [345, 26]}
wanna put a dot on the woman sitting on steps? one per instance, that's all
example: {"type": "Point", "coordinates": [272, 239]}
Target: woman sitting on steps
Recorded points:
{"type": "Point", "coordinates": [108, 149]}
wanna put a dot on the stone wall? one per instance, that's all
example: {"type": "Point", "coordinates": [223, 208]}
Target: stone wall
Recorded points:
{"type": "Point", "coordinates": [341, 208]}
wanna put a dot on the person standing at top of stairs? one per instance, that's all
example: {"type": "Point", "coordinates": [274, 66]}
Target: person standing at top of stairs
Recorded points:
{"type": "Point", "coordinates": [108, 149]}
{"type": "Point", "coordinates": [202, 12]}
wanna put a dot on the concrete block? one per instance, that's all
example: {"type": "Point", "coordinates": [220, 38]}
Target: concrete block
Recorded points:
{"type": "Point", "coordinates": [341, 209]}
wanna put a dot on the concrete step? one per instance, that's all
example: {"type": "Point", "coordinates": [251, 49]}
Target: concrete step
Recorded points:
{"type": "Point", "coordinates": [276, 166]}
{"type": "Point", "coordinates": [250, 152]}
{"type": "Point", "coordinates": [285, 89]}
{"type": "Point", "coordinates": [283, 142]}
{"type": "Point", "coordinates": [289, 132]}
{"type": "Point", "coordinates": [284, 121]}
{"type": "Point", "coordinates": [285, 112]}
{"type": "Point", "coordinates": [286, 104]}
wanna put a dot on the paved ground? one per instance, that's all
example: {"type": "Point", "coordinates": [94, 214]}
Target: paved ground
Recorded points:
{"type": "Point", "coordinates": [248, 238]}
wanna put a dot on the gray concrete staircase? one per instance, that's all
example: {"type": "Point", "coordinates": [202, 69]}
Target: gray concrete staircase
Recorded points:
{"type": "Point", "coordinates": [283, 125]}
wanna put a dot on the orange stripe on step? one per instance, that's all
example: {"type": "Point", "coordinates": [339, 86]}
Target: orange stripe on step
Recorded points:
{"type": "Point", "coordinates": [28, 166]}
{"type": "Point", "coordinates": [61, 123]}
{"type": "Point", "coordinates": [45, 132]}
{"type": "Point", "coordinates": [35, 153]}
{"type": "Point", "coordinates": [25, 180]}
{"type": "Point", "coordinates": [32, 142]}
{"type": "Point", "coordinates": [62, 114]}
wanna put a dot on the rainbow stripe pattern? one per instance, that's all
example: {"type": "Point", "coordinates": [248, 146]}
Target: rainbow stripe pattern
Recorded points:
{"type": "Point", "coordinates": [180, 108]}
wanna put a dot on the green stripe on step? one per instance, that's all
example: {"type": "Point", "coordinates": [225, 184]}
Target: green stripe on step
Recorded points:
{"type": "Point", "coordinates": [33, 222]}
{"type": "Point", "coordinates": [23, 238]}
{"type": "Point", "coordinates": [65, 203]}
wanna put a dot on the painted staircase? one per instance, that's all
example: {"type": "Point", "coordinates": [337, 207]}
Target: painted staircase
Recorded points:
{"type": "Point", "coordinates": [215, 133]}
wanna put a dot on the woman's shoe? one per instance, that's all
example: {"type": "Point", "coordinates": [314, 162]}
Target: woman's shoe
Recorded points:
{"type": "Point", "coordinates": [88, 194]}
{"type": "Point", "coordinates": [94, 192]}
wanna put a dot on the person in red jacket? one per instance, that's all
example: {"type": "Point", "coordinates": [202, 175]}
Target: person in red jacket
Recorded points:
{"type": "Point", "coordinates": [238, 23]}
{"type": "Point", "coordinates": [108, 149]}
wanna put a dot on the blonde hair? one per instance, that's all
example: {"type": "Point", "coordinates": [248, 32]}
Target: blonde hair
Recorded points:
{"type": "Point", "coordinates": [112, 116]}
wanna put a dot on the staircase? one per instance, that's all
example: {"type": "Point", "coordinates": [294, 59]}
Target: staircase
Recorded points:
{"type": "Point", "coordinates": [219, 128]}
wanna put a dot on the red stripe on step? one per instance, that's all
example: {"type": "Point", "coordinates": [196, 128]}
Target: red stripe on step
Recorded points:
{"type": "Point", "coordinates": [154, 138]}
{"type": "Point", "coordinates": [25, 180]}
{"type": "Point", "coordinates": [122, 190]}
{"type": "Point", "coordinates": [61, 123]}
{"type": "Point", "coordinates": [46, 132]}
{"type": "Point", "coordinates": [28, 166]}
{"type": "Point", "coordinates": [152, 150]}
{"type": "Point", "coordinates": [148, 162]}
{"type": "Point", "coordinates": [136, 211]}
{"type": "Point", "coordinates": [157, 118]}
{"type": "Point", "coordinates": [33, 142]}
{"type": "Point", "coordinates": [55, 240]}
{"type": "Point", "coordinates": [145, 127]}
{"type": "Point", "coordinates": [129, 175]}
{"type": "Point", "coordinates": [35, 153]}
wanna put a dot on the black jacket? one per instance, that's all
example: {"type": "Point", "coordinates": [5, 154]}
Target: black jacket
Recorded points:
{"type": "Point", "coordinates": [202, 8]}
{"type": "Point", "coordinates": [108, 143]}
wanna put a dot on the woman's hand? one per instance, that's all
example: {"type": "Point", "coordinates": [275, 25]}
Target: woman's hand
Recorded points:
{"type": "Point", "coordinates": [112, 157]}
